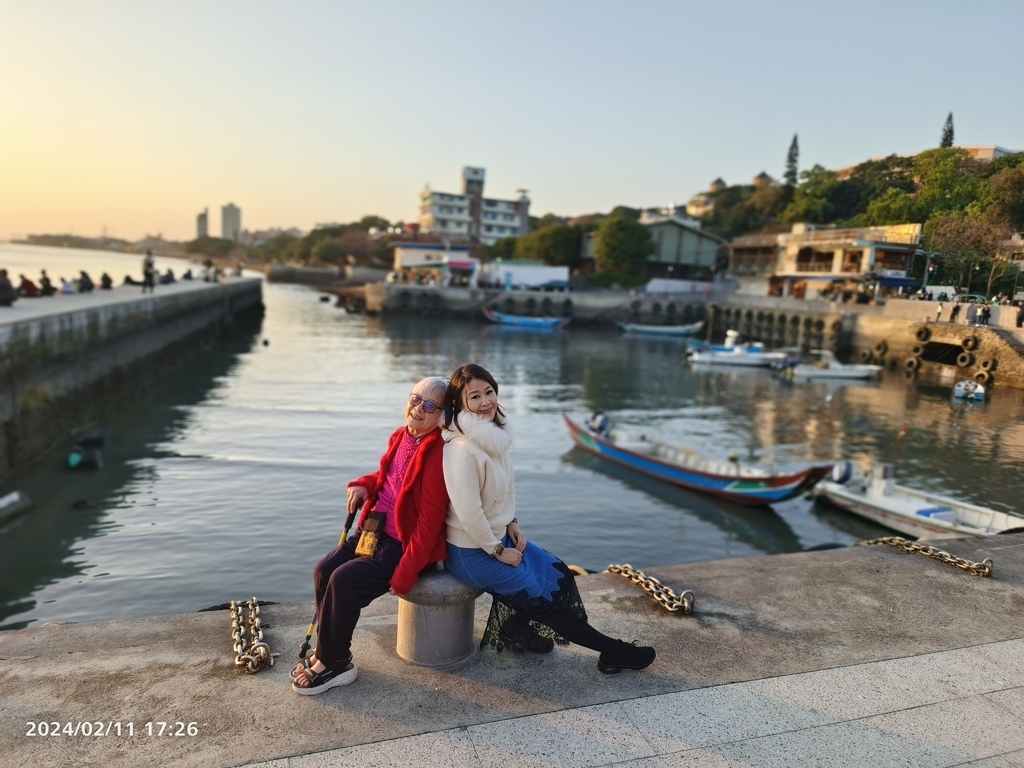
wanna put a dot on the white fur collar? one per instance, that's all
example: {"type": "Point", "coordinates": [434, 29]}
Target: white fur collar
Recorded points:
{"type": "Point", "coordinates": [493, 439]}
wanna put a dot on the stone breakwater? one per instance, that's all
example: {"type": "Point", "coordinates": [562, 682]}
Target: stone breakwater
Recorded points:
{"type": "Point", "coordinates": [64, 359]}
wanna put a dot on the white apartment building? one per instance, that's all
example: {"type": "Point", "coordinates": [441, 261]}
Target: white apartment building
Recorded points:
{"type": "Point", "coordinates": [230, 222]}
{"type": "Point", "coordinates": [203, 223]}
{"type": "Point", "coordinates": [470, 215]}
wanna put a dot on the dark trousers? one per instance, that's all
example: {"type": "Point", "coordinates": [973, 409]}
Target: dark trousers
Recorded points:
{"type": "Point", "coordinates": [345, 584]}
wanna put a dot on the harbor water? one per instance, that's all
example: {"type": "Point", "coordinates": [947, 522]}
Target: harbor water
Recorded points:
{"type": "Point", "coordinates": [228, 480]}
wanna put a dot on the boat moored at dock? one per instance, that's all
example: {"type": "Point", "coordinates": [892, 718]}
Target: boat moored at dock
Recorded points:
{"type": "Point", "coordinates": [877, 497]}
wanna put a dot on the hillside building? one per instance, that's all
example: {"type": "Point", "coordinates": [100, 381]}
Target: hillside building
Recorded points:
{"type": "Point", "coordinates": [470, 216]}
{"type": "Point", "coordinates": [811, 259]}
{"type": "Point", "coordinates": [203, 223]}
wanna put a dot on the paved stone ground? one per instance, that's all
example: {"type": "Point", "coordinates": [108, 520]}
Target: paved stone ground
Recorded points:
{"type": "Point", "coordinates": [858, 656]}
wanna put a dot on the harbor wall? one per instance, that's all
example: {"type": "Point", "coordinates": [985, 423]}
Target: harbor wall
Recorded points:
{"type": "Point", "coordinates": [883, 333]}
{"type": "Point", "coordinates": [60, 371]}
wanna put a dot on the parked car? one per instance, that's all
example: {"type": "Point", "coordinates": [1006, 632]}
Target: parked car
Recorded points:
{"type": "Point", "coordinates": [554, 285]}
{"type": "Point", "coordinates": [967, 298]}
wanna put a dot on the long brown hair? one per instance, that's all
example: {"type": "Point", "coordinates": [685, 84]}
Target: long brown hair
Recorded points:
{"type": "Point", "coordinates": [457, 384]}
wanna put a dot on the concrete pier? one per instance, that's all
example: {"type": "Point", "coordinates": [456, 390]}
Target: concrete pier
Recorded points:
{"type": "Point", "coordinates": [65, 357]}
{"type": "Point", "coordinates": [858, 656]}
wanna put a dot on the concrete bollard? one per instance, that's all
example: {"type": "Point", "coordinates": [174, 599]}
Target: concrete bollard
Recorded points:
{"type": "Point", "coordinates": [435, 620]}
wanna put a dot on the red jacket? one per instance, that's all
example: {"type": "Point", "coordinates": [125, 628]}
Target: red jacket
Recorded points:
{"type": "Point", "coordinates": [420, 507]}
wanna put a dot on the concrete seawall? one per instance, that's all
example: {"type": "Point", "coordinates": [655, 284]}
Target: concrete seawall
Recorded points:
{"type": "Point", "coordinates": [64, 359]}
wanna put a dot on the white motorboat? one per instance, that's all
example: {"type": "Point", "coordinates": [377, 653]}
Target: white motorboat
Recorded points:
{"type": "Point", "coordinates": [968, 390]}
{"type": "Point", "coordinates": [827, 367]}
{"type": "Point", "coordinates": [732, 352]}
{"type": "Point", "coordinates": [922, 515]}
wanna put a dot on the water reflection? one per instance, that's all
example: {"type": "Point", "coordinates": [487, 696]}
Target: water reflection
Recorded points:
{"type": "Point", "coordinates": [213, 471]}
{"type": "Point", "coordinates": [760, 527]}
{"type": "Point", "coordinates": [43, 547]}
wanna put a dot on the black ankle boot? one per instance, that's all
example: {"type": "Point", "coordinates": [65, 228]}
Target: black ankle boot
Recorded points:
{"type": "Point", "coordinates": [626, 656]}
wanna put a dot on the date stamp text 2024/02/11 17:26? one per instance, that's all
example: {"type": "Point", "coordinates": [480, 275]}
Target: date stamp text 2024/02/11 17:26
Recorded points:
{"type": "Point", "coordinates": [115, 728]}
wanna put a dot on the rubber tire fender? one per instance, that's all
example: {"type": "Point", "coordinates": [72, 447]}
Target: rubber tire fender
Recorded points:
{"type": "Point", "coordinates": [971, 342]}
{"type": "Point", "coordinates": [865, 355]}
{"type": "Point", "coordinates": [881, 348]}
{"type": "Point", "coordinates": [988, 365]}
{"type": "Point", "coordinates": [923, 334]}
{"type": "Point", "coordinates": [964, 359]}
{"type": "Point", "coordinates": [983, 377]}
{"type": "Point", "coordinates": [917, 350]}
{"type": "Point", "coordinates": [912, 363]}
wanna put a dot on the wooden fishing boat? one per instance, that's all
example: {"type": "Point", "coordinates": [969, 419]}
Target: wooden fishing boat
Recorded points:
{"type": "Point", "coordinates": [730, 479]}
{"type": "Point", "coordinates": [661, 330]}
{"type": "Point", "coordinates": [525, 321]}
{"type": "Point", "coordinates": [877, 497]}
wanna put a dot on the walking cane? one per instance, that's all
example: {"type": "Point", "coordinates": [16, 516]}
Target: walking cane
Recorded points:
{"type": "Point", "coordinates": [304, 648]}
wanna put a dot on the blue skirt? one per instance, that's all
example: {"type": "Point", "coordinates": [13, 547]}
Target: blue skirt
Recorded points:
{"type": "Point", "coordinates": [540, 590]}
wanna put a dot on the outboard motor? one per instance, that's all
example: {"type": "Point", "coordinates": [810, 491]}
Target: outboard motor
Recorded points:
{"type": "Point", "coordinates": [842, 471]}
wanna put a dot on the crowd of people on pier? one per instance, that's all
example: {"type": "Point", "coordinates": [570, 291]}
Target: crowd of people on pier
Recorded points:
{"type": "Point", "coordinates": [44, 286]}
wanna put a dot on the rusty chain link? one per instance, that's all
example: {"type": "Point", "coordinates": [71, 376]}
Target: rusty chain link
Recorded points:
{"type": "Point", "coordinates": [662, 595]}
{"type": "Point", "coordinates": [258, 655]}
{"type": "Point", "coordinates": [984, 568]}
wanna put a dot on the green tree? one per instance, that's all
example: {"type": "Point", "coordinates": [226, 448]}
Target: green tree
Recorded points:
{"type": "Point", "coordinates": [329, 251]}
{"type": "Point", "coordinates": [968, 244]}
{"type": "Point", "coordinates": [557, 245]}
{"type": "Point", "coordinates": [947, 133]}
{"type": "Point", "coordinates": [547, 220]}
{"type": "Point", "coordinates": [812, 201]}
{"type": "Point", "coordinates": [621, 246]}
{"type": "Point", "coordinates": [504, 249]}
{"type": "Point", "coordinates": [214, 247]}
{"type": "Point", "coordinates": [370, 222]}
{"type": "Point", "coordinates": [274, 249]}
{"type": "Point", "coordinates": [625, 212]}
{"type": "Point", "coordinates": [792, 158]}
{"type": "Point", "coordinates": [948, 182]}
{"type": "Point", "coordinates": [1006, 194]}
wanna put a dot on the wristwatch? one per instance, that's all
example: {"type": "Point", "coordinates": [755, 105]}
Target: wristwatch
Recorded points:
{"type": "Point", "coordinates": [499, 548]}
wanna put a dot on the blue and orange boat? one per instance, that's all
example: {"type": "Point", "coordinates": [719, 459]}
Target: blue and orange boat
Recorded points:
{"type": "Point", "coordinates": [730, 479]}
{"type": "Point", "coordinates": [526, 321]}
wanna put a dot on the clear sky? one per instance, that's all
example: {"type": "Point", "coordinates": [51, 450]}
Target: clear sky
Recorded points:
{"type": "Point", "coordinates": [134, 115]}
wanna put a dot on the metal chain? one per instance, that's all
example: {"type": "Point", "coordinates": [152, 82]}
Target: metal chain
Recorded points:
{"type": "Point", "coordinates": [258, 654]}
{"type": "Point", "coordinates": [984, 568]}
{"type": "Point", "coordinates": [663, 595]}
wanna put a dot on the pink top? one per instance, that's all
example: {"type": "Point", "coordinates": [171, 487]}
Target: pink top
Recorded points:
{"type": "Point", "coordinates": [393, 482]}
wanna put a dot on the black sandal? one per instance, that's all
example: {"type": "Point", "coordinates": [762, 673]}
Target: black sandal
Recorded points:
{"type": "Point", "coordinates": [329, 678]}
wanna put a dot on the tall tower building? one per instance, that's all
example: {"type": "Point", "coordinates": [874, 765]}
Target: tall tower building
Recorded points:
{"type": "Point", "coordinates": [230, 222]}
{"type": "Point", "coordinates": [203, 223]}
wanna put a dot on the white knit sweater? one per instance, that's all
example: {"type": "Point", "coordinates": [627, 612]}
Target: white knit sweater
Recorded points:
{"type": "Point", "coordinates": [481, 485]}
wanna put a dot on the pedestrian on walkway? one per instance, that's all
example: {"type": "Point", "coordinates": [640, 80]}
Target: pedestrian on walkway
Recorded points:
{"type": "Point", "coordinates": [148, 272]}
{"type": "Point", "coordinates": [954, 311]}
{"type": "Point", "coordinates": [45, 285]}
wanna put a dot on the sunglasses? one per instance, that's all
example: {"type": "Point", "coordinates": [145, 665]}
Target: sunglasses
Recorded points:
{"type": "Point", "coordinates": [428, 407]}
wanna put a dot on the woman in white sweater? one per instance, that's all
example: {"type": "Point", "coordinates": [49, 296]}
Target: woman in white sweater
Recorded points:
{"type": "Point", "coordinates": [536, 602]}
